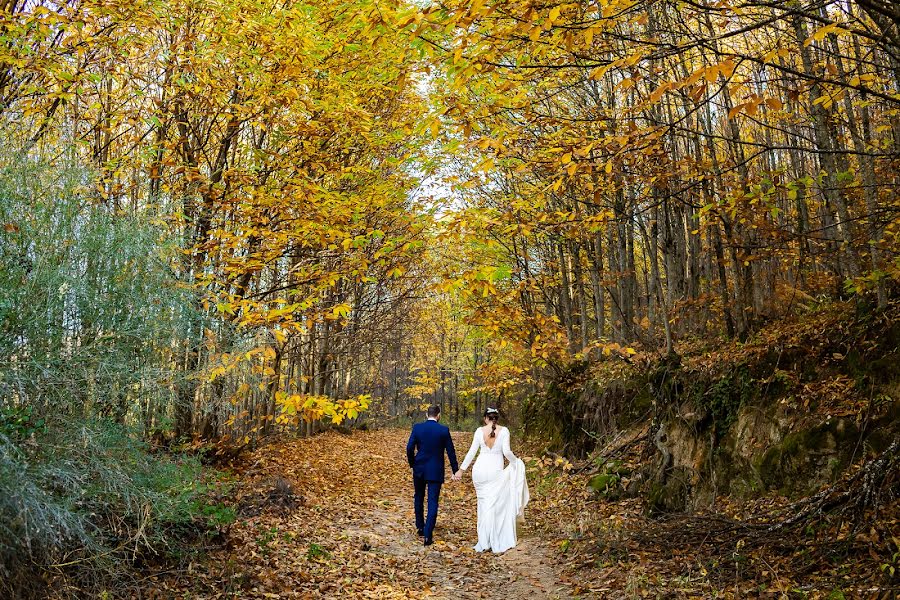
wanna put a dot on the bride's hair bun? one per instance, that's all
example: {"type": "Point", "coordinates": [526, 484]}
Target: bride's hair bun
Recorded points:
{"type": "Point", "coordinates": [493, 415]}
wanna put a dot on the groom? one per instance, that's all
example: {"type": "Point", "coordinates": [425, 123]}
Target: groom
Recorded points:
{"type": "Point", "coordinates": [425, 453]}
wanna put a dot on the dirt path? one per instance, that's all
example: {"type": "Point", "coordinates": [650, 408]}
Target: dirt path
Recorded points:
{"type": "Point", "coordinates": [332, 517]}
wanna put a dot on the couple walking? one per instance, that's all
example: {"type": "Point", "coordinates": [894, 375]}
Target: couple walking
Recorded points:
{"type": "Point", "coordinates": [502, 493]}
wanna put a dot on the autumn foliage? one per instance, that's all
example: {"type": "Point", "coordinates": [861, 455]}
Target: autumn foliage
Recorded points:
{"type": "Point", "coordinates": [224, 220]}
{"type": "Point", "coordinates": [641, 173]}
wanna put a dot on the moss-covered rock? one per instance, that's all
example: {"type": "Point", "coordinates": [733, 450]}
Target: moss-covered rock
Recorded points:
{"type": "Point", "coordinates": [603, 483]}
{"type": "Point", "coordinates": [725, 397]}
{"type": "Point", "coordinates": [671, 495]}
{"type": "Point", "coordinates": [807, 458]}
{"type": "Point", "coordinates": [610, 482]}
{"type": "Point", "coordinates": [742, 419]}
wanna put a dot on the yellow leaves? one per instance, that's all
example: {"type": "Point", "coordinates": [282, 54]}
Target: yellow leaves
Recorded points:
{"type": "Point", "coordinates": [774, 103]}
{"type": "Point", "coordinates": [486, 142]}
{"type": "Point", "coordinates": [563, 463]}
{"type": "Point", "coordinates": [332, 84]}
{"type": "Point", "coordinates": [216, 372]}
{"type": "Point", "coordinates": [553, 17]}
{"type": "Point", "coordinates": [237, 417]}
{"type": "Point", "coordinates": [312, 408]}
{"type": "Point", "coordinates": [448, 285]}
{"type": "Point", "coordinates": [414, 16]}
{"type": "Point", "coordinates": [634, 58]}
{"type": "Point", "coordinates": [597, 222]}
{"type": "Point", "coordinates": [599, 72]}
{"type": "Point", "coordinates": [826, 100]}
{"type": "Point", "coordinates": [227, 308]}
{"type": "Point", "coordinates": [610, 349]}
{"type": "Point", "coordinates": [585, 150]}
{"type": "Point", "coordinates": [659, 91]}
{"type": "Point", "coordinates": [225, 363]}
{"type": "Point", "coordinates": [624, 62]}
{"type": "Point", "coordinates": [340, 311]}
{"type": "Point", "coordinates": [726, 68]}
{"type": "Point", "coordinates": [865, 78]}
{"type": "Point", "coordinates": [611, 8]}
{"type": "Point", "coordinates": [275, 314]}
{"type": "Point", "coordinates": [750, 106]}
{"type": "Point", "coordinates": [627, 82]}
{"type": "Point", "coordinates": [780, 53]}
{"type": "Point", "coordinates": [711, 73]}
{"type": "Point", "coordinates": [822, 32]}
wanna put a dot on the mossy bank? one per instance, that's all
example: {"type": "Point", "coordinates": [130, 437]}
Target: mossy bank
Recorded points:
{"type": "Point", "coordinates": [789, 410]}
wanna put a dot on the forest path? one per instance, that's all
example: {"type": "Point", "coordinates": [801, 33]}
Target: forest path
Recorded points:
{"type": "Point", "coordinates": [331, 517]}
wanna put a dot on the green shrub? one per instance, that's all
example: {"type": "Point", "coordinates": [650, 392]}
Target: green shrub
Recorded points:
{"type": "Point", "coordinates": [19, 422]}
{"type": "Point", "coordinates": [93, 320]}
{"type": "Point", "coordinates": [92, 496]}
{"type": "Point", "coordinates": [91, 312]}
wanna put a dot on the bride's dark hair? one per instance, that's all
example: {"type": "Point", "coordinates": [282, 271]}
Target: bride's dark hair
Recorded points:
{"type": "Point", "coordinates": [492, 415]}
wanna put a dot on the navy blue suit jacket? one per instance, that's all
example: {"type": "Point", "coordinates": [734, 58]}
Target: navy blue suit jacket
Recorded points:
{"type": "Point", "coordinates": [425, 451]}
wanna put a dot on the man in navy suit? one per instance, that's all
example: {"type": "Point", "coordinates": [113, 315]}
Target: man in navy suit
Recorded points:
{"type": "Point", "coordinates": [425, 453]}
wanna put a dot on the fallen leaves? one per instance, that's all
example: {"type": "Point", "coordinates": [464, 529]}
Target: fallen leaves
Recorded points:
{"type": "Point", "coordinates": [331, 516]}
{"type": "Point", "coordinates": [613, 550]}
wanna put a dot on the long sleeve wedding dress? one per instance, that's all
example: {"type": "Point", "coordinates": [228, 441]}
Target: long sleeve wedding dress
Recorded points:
{"type": "Point", "coordinates": [502, 493]}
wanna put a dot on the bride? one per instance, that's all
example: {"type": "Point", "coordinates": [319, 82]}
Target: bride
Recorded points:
{"type": "Point", "coordinates": [502, 493]}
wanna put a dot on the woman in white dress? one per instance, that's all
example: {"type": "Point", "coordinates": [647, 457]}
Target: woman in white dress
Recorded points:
{"type": "Point", "coordinates": [502, 493]}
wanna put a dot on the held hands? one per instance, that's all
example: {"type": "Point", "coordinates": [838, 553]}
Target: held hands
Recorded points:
{"type": "Point", "coordinates": [457, 476]}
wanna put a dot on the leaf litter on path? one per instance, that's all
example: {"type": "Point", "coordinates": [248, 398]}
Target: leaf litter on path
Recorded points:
{"type": "Point", "coordinates": [332, 517]}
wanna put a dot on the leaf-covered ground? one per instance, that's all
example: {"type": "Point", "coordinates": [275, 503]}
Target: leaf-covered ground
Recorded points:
{"type": "Point", "coordinates": [612, 549]}
{"type": "Point", "coordinates": [331, 517]}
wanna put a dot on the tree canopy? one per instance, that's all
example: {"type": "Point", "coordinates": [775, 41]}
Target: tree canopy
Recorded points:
{"type": "Point", "coordinates": [447, 199]}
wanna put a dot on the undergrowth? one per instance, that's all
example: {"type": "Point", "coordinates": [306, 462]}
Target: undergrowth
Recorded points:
{"type": "Point", "coordinates": [83, 504]}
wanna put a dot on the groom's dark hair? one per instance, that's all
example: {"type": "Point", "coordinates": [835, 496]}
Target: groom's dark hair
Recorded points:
{"type": "Point", "coordinates": [434, 411]}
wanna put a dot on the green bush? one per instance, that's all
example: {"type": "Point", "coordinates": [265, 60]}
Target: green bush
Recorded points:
{"type": "Point", "coordinates": [93, 322]}
{"type": "Point", "coordinates": [91, 313]}
{"type": "Point", "coordinates": [19, 422]}
{"type": "Point", "coordinates": [91, 495]}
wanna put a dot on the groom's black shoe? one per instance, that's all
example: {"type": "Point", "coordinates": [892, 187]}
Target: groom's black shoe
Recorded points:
{"type": "Point", "coordinates": [429, 541]}
{"type": "Point", "coordinates": [420, 532]}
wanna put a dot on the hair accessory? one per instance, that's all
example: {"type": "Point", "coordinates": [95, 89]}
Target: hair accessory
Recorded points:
{"type": "Point", "coordinates": [492, 410]}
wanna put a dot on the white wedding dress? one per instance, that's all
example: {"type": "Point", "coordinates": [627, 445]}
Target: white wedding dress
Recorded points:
{"type": "Point", "coordinates": [502, 493]}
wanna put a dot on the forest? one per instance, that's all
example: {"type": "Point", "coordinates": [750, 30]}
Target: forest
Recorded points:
{"type": "Point", "coordinates": [244, 244]}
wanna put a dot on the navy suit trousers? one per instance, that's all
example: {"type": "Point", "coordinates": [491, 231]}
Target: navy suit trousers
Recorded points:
{"type": "Point", "coordinates": [434, 492]}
